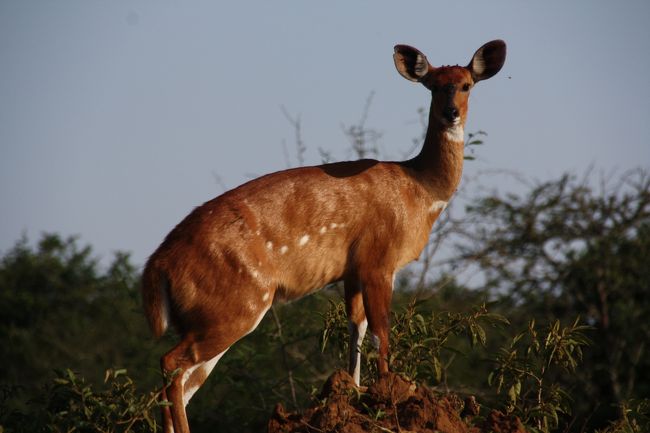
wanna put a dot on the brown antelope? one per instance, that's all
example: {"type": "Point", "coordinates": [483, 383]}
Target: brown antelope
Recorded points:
{"type": "Point", "coordinates": [286, 234]}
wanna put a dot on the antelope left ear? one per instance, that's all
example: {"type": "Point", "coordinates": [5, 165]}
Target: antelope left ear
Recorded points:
{"type": "Point", "coordinates": [487, 60]}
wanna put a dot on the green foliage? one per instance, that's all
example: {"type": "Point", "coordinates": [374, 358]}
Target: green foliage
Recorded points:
{"type": "Point", "coordinates": [75, 406]}
{"type": "Point", "coordinates": [473, 139]}
{"type": "Point", "coordinates": [69, 404]}
{"type": "Point", "coordinates": [526, 368]}
{"type": "Point", "coordinates": [58, 307]}
{"type": "Point", "coordinates": [565, 249]}
{"type": "Point", "coordinates": [635, 418]}
{"type": "Point", "coordinates": [417, 338]}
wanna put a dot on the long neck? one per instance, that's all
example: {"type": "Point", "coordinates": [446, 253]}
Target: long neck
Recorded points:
{"type": "Point", "coordinates": [439, 164]}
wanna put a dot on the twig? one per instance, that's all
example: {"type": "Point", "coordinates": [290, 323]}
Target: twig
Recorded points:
{"type": "Point", "coordinates": [285, 361]}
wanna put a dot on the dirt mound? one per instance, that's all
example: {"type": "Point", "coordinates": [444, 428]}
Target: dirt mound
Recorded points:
{"type": "Point", "coordinates": [392, 404]}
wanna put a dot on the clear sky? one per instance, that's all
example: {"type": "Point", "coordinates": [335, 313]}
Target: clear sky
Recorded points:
{"type": "Point", "coordinates": [116, 115]}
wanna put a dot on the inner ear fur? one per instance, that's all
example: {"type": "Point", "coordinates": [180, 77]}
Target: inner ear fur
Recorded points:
{"type": "Point", "coordinates": [487, 60]}
{"type": "Point", "coordinates": [411, 63]}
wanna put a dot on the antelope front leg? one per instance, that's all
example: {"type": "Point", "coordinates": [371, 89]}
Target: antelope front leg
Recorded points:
{"type": "Point", "coordinates": [357, 325]}
{"type": "Point", "coordinates": [377, 293]}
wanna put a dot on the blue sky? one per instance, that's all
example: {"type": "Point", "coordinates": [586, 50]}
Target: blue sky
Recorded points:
{"type": "Point", "coordinates": [115, 115]}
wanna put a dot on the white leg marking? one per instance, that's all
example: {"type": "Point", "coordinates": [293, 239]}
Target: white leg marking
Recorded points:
{"type": "Point", "coordinates": [207, 368]}
{"type": "Point", "coordinates": [185, 378]}
{"type": "Point", "coordinates": [357, 332]}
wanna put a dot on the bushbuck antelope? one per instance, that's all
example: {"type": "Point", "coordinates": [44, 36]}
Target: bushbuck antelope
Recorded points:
{"type": "Point", "coordinates": [286, 234]}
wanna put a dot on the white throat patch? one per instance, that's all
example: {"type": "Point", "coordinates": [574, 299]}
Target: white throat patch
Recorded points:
{"type": "Point", "coordinates": [438, 206]}
{"type": "Point", "coordinates": [455, 133]}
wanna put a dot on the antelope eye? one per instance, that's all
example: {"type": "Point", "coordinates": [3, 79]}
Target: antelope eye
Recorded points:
{"type": "Point", "coordinates": [466, 87]}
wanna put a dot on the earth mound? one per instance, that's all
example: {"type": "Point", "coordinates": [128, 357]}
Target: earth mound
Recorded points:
{"type": "Point", "coordinates": [392, 404]}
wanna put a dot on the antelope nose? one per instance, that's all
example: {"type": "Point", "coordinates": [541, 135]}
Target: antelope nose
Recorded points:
{"type": "Point", "coordinates": [451, 114]}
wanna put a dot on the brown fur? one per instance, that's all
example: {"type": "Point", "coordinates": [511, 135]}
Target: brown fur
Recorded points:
{"type": "Point", "coordinates": [286, 234]}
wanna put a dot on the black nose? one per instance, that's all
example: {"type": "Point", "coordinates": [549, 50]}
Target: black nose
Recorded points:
{"type": "Point", "coordinates": [451, 114]}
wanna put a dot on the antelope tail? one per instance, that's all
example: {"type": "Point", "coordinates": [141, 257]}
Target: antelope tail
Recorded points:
{"type": "Point", "coordinates": [155, 299]}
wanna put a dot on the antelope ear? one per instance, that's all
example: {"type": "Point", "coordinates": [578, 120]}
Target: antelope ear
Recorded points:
{"type": "Point", "coordinates": [488, 60]}
{"type": "Point", "coordinates": [410, 63]}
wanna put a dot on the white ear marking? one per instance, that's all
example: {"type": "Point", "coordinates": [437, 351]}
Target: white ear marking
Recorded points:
{"type": "Point", "coordinates": [410, 63]}
{"type": "Point", "coordinates": [421, 66]}
{"type": "Point", "coordinates": [478, 63]}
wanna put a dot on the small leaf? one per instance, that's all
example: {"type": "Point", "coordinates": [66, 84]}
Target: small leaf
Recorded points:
{"type": "Point", "coordinates": [481, 334]}
{"type": "Point", "coordinates": [513, 392]}
{"type": "Point", "coordinates": [437, 369]}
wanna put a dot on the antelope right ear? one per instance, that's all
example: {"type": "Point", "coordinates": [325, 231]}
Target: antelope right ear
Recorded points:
{"type": "Point", "coordinates": [411, 63]}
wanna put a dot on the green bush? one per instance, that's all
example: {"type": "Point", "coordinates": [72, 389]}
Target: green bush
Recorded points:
{"type": "Point", "coordinates": [70, 404]}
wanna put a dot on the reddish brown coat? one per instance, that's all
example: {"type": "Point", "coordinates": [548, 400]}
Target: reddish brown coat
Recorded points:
{"type": "Point", "coordinates": [286, 234]}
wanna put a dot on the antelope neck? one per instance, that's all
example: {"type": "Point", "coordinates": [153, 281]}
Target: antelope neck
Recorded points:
{"type": "Point", "coordinates": [440, 161]}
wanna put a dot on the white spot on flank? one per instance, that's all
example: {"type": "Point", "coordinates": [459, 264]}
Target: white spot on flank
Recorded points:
{"type": "Point", "coordinates": [284, 249]}
{"type": "Point", "coordinates": [333, 225]}
{"type": "Point", "coordinates": [323, 230]}
{"type": "Point", "coordinates": [438, 205]}
{"type": "Point", "coordinates": [255, 274]}
{"type": "Point", "coordinates": [266, 297]}
{"type": "Point", "coordinates": [455, 133]}
{"type": "Point", "coordinates": [303, 240]}
{"type": "Point", "coordinates": [269, 245]}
